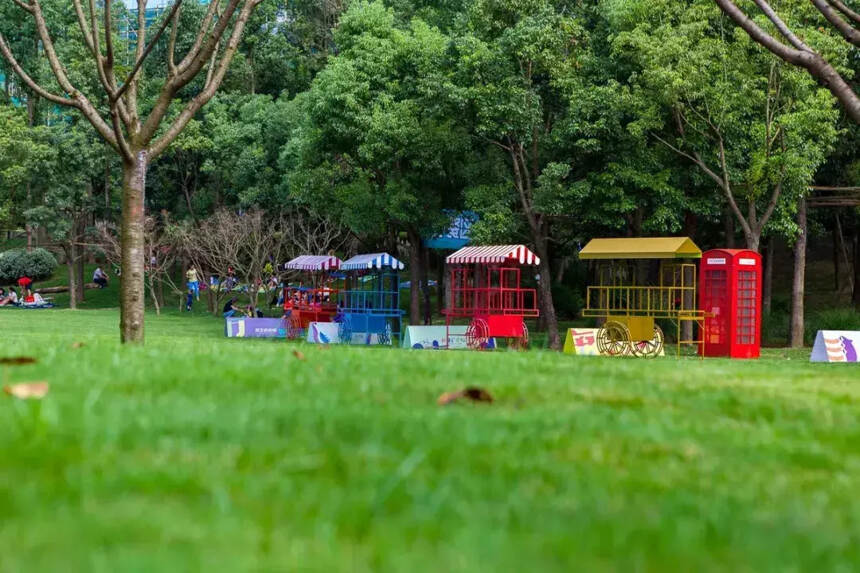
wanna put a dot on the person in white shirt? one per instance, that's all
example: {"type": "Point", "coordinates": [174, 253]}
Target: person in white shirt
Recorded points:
{"type": "Point", "coordinates": [100, 277]}
{"type": "Point", "coordinates": [10, 298]}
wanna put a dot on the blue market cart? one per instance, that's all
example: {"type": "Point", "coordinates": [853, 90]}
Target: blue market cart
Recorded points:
{"type": "Point", "coordinates": [369, 305]}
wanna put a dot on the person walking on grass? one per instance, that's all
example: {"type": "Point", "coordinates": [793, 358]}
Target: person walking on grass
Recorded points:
{"type": "Point", "coordinates": [193, 280]}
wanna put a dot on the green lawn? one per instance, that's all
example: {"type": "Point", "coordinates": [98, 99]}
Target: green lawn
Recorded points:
{"type": "Point", "coordinates": [197, 452]}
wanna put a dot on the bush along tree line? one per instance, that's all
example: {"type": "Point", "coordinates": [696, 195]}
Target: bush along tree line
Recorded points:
{"type": "Point", "coordinates": [234, 134]}
{"type": "Point", "coordinates": [36, 264]}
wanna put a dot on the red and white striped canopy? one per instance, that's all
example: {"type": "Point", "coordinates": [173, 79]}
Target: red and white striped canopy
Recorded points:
{"type": "Point", "coordinates": [313, 263]}
{"type": "Point", "coordinates": [494, 254]}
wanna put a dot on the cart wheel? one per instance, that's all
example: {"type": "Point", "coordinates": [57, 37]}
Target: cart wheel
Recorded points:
{"type": "Point", "coordinates": [649, 348]}
{"type": "Point", "coordinates": [294, 326]}
{"type": "Point", "coordinates": [477, 334]}
{"type": "Point", "coordinates": [344, 330]}
{"type": "Point", "coordinates": [521, 343]}
{"type": "Point", "coordinates": [613, 339]}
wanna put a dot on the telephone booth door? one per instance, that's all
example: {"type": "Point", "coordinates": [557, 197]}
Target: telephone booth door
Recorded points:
{"type": "Point", "coordinates": [730, 296]}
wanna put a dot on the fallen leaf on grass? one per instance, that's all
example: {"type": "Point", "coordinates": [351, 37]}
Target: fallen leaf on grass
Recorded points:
{"type": "Point", "coordinates": [298, 354]}
{"type": "Point", "coordinates": [27, 390]}
{"type": "Point", "coordinates": [17, 360]}
{"type": "Point", "coordinates": [78, 345]}
{"type": "Point", "coordinates": [473, 393]}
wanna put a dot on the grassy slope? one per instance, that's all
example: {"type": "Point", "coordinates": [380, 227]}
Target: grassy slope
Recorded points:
{"type": "Point", "coordinates": [201, 452]}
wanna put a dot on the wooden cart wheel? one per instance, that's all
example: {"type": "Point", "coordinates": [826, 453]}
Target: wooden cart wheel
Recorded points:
{"type": "Point", "coordinates": [613, 339]}
{"type": "Point", "coordinates": [294, 326]}
{"type": "Point", "coordinates": [344, 330]}
{"type": "Point", "coordinates": [649, 348]}
{"type": "Point", "coordinates": [477, 334]}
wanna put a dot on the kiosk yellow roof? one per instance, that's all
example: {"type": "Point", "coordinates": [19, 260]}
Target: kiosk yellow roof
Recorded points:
{"type": "Point", "coordinates": [642, 248]}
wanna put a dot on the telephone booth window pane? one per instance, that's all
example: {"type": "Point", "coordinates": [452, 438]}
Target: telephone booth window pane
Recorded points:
{"type": "Point", "coordinates": [746, 307]}
{"type": "Point", "coordinates": [716, 301]}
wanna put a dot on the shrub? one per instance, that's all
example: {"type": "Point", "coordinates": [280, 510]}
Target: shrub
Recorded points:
{"type": "Point", "coordinates": [37, 264]}
{"type": "Point", "coordinates": [832, 319]}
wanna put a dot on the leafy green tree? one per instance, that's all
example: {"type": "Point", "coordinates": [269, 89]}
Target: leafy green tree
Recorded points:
{"type": "Point", "coordinates": [376, 141]}
{"type": "Point", "coordinates": [24, 155]}
{"type": "Point", "coordinates": [66, 203]}
{"type": "Point", "coordinates": [516, 66]}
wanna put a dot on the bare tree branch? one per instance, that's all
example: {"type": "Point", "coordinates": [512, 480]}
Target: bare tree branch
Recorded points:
{"type": "Point", "coordinates": [25, 77]}
{"type": "Point", "coordinates": [848, 12]}
{"type": "Point", "coordinates": [142, 58]}
{"type": "Point", "coordinates": [171, 44]}
{"type": "Point", "coordinates": [211, 86]}
{"type": "Point", "coordinates": [847, 30]}
{"type": "Point", "coordinates": [23, 6]}
{"type": "Point", "coordinates": [811, 61]}
{"type": "Point", "coordinates": [189, 72]}
{"type": "Point", "coordinates": [780, 25]}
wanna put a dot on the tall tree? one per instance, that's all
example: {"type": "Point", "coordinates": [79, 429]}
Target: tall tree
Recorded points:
{"type": "Point", "coordinates": [517, 63]}
{"type": "Point", "coordinates": [377, 143]}
{"type": "Point", "coordinates": [138, 130]}
{"type": "Point", "coordinates": [752, 126]}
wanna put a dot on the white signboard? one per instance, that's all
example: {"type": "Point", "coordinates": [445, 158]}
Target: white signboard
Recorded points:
{"type": "Point", "coordinates": [581, 341]}
{"type": "Point", "coordinates": [329, 333]}
{"type": "Point", "coordinates": [323, 333]}
{"type": "Point", "coordinates": [746, 262]}
{"type": "Point", "coordinates": [720, 261]}
{"type": "Point", "coordinates": [836, 346]}
{"type": "Point", "coordinates": [433, 338]}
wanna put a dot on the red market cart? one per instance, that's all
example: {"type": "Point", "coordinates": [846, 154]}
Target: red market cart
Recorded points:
{"type": "Point", "coordinates": [314, 298]}
{"type": "Point", "coordinates": [486, 289]}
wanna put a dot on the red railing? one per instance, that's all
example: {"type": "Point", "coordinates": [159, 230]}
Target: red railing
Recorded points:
{"type": "Point", "coordinates": [480, 301]}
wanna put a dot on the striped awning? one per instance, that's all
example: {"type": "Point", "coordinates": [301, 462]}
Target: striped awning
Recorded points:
{"type": "Point", "coordinates": [313, 263]}
{"type": "Point", "coordinates": [372, 261]}
{"type": "Point", "coordinates": [494, 254]}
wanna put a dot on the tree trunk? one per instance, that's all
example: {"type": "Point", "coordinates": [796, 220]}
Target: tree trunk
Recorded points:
{"type": "Point", "coordinates": [545, 298]}
{"type": "Point", "coordinates": [154, 296]}
{"type": "Point", "coordinates": [425, 285]}
{"type": "Point", "coordinates": [843, 250]}
{"type": "Point", "coordinates": [441, 290]}
{"type": "Point", "coordinates": [856, 294]}
{"type": "Point", "coordinates": [107, 183]}
{"type": "Point", "coordinates": [729, 228]}
{"type": "Point", "coordinates": [27, 226]}
{"type": "Point", "coordinates": [797, 289]}
{"type": "Point", "coordinates": [691, 225]}
{"type": "Point", "coordinates": [132, 248]}
{"type": "Point", "coordinates": [753, 240]}
{"type": "Point", "coordinates": [767, 286]}
{"type": "Point", "coordinates": [79, 261]}
{"type": "Point", "coordinates": [73, 281]}
{"type": "Point", "coordinates": [835, 260]}
{"type": "Point", "coordinates": [414, 277]}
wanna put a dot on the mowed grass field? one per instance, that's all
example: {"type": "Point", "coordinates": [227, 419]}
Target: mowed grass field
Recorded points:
{"type": "Point", "coordinates": [197, 452]}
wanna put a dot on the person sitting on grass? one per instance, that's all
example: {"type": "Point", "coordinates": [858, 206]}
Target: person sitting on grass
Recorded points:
{"type": "Point", "coordinates": [231, 309]}
{"type": "Point", "coordinates": [10, 297]}
{"type": "Point", "coordinates": [100, 277]}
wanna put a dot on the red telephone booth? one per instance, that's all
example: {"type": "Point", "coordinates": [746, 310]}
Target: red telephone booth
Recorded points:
{"type": "Point", "coordinates": [730, 295]}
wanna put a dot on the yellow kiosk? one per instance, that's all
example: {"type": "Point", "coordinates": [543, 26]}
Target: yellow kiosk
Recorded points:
{"type": "Point", "coordinates": [640, 281]}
